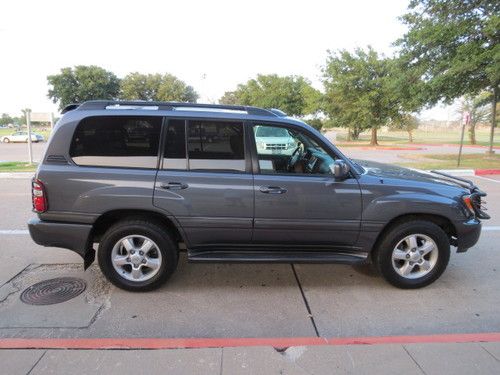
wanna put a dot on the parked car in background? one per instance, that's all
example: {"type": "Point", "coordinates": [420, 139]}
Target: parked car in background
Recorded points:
{"type": "Point", "coordinates": [22, 137]}
{"type": "Point", "coordinates": [271, 140]}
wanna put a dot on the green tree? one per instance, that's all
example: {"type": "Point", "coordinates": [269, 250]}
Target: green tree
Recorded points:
{"type": "Point", "coordinates": [6, 119]}
{"type": "Point", "coordinates": [166, 87]}
{"type": "Point", "coordinates": [478, 110]}
{"type": "Point", "coordinates": [359, 91]}
{"type": "Point", "coordinates": [291, 94]}
{"type": "Point", "coordinates": [406, 122]}
{"type": "Point", "coordinates": [454, 45]}
{"type": "Point", "coordinates": [81, 83]}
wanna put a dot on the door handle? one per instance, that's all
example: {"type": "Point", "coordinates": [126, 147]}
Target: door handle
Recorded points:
{"type": "Point", "coordinates": [173, 185]}
{"type": "Point", "coordinates": [272, 190]}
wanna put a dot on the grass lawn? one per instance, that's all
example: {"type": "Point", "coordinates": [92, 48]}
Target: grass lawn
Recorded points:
{"type": "Point", "coordinates": [447, 136]}
{"type": "Point", "coordinates": [449, 161]}
{"type": "Point", "coordinates": [17, 166]}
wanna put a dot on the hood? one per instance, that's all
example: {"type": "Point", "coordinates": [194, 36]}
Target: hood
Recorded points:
{"type": "Point", "coordinates": [393, 171]}
{"type": "Point", "coordinates": [274, 139]}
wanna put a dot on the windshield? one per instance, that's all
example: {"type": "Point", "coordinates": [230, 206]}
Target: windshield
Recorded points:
{"type": "Point", "coordinates": [271, 131]}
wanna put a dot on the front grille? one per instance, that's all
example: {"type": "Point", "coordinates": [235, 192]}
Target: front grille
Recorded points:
{"type": "Point", "coordinates": [479, 204]}
{"type": "Point", "coordinates": [276, 146]}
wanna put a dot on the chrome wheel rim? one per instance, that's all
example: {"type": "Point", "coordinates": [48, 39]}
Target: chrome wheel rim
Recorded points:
{"type": "Point", "coordinates": [415, 256]}
{"type": "Point", "coordinates": [136, 258]}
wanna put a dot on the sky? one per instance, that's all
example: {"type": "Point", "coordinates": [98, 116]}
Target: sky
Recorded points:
{"type": "Point", "coordinates": [211, 45]}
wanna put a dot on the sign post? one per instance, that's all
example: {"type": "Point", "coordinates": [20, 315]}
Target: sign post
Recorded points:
{"type": "Point", "coordinates": [28, 124]}
{"type": "Point", "coordinates": [465, 121]}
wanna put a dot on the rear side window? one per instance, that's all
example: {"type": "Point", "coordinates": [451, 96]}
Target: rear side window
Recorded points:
{"type": "Point", "coordinates": [127, 142]}
{"type": "Point", "coordinates": [216, 145]}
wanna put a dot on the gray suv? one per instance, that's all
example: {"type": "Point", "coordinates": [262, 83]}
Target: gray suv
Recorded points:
{"type": "Point", "coordinates": [140, 181]}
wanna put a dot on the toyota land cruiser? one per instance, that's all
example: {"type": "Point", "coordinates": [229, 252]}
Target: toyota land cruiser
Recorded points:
{"type": "Point", "coordinates": [138, 181]}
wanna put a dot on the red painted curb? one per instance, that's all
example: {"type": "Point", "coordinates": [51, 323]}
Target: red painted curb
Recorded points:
{"type": "Point", "coordinates": [391, 148]}
{"type": "Point", "coordinates": [160, 343]}
{"type": "Point", "coordinates": [482, 172]}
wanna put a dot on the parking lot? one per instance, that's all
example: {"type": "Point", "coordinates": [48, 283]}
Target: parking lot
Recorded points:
{"type": "Point", "coordinates": [242, 300]}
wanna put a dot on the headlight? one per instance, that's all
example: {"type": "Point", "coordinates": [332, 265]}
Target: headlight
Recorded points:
{"type": "Point", "coordinates": [261, 144]}
{"type": "Point", "coordinates": [468, 203]}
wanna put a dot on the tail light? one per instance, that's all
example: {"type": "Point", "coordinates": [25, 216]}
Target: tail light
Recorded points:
{"type": "Point", "coordinates": [39, 198]}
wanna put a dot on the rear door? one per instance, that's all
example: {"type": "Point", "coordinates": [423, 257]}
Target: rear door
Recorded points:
{"type": "Point", "coordinates": [205, 181]}
{"type": "Point", "coordinates": [297, 200]}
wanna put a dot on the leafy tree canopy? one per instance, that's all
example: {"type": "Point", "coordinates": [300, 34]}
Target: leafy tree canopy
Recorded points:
{"type": "Point", "coordinates": [160, 87]}
{"type": "Point", "coordinates": [359, 90]}
{"type": "Point", "coordinates": [454, 46]}
{"type": "Point", "coordinates": [81, 83]}
{"type": "Point", "coordinates": [291, 94]}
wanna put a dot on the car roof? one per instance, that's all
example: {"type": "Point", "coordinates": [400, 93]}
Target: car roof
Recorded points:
{"type": "Point", "coordinates": [177, 110]}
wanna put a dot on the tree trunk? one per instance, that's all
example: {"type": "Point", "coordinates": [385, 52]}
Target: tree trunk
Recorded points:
{"type": "Point", "coordinates": [373, 141]}
{"type": "Point", "coordinates": [493, 118]}
{"type": "Point", "coordinates": [349, 135]}
{"type": "Point", "coordinates": [472, 133]}
{"type": "Point", "coordinates": [410, 136]}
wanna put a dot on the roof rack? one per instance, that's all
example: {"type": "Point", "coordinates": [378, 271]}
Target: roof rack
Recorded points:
{"type": "Point", "coordinates": [170, 106]}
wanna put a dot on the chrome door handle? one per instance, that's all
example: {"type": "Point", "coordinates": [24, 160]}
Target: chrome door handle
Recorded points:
{"type": "Point", "coordinates": [272, 190]}
{"type": "Point", "coordinates": [173, 185]}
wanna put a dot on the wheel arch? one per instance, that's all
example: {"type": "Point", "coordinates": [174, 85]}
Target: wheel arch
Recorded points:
{"type": "Point", "coordinates": [441, 221]}
{"type": "Point", "coordinates": [107, 219]}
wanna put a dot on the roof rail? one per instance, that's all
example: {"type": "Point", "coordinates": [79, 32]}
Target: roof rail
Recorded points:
{"type": "Point", "coordinates": [169, 106]}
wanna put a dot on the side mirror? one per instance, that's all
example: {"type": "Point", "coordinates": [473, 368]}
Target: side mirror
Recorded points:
{"type": "Point", "coordinates": [340, 169]}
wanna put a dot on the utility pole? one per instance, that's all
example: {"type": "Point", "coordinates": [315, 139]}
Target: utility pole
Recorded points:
{"type": "Point", "coordinates": [28, 124]}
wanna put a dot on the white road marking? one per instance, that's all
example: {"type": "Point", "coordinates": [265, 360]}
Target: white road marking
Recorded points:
{"type": "Point", "coordinates": [14, 231]}
{"type": "Point", "coordinates": [489, 179]}
{"type": "Point", "coordinates": [490, 228]}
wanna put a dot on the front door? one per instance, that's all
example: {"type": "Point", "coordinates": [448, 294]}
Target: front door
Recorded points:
{"type": "Point", "coordinates": [297, 200]}
{"type": "Point", "coordinates": [205, 182]}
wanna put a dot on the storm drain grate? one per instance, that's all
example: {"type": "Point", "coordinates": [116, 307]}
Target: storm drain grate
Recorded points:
{"type": "Point", "coordinates": [50, 292]}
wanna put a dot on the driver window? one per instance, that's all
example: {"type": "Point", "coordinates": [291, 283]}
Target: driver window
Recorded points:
{"type": "Point", "coordinates": [281, 150]}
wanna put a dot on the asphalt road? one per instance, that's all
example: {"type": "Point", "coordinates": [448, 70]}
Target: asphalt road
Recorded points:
{"type": "Point", "coordinates": [244, 300]}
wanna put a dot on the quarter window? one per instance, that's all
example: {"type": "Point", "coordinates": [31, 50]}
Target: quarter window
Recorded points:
{"type": "Point", "coordinates": [107, 141]}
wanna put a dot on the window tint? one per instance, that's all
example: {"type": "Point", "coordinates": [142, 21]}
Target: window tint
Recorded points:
{"type": "Point", "coordinates": [216, 145]}
{"type": "Point", "coordinates": [175, 145]}
{"type": "Point", "coordinates": [117, 142]}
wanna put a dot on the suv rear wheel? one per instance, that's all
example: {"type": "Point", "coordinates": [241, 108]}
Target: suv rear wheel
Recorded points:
{"type": "Point", "coordinates": [137, 255]}
{"type": "Point", "coordinates": [413, 254]}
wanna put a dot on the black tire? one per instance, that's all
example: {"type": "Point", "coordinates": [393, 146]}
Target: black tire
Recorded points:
{"type": "Point", "coordinates": [152, 230]}
{"type": "Point", "coordinates": [384, 250]}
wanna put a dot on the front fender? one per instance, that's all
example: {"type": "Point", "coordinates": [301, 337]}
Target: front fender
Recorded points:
{"type": "Point", "coordinates": [386, 208]}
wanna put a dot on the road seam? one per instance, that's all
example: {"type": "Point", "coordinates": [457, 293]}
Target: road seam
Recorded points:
{"type": "Point", "coordinates": [413, 359]}
{"type": "Point", "coordinates": [36, 363]}
{"type": "Point", "coordinates": [305, 300]}
{"type": "Point", "coordinates": [487, 351]}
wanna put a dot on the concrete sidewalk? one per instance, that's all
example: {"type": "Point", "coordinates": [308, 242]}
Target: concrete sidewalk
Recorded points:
{"type": "Point", "coordinates": [431, 358]}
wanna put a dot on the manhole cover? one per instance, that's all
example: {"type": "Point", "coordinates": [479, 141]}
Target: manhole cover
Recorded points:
{"type": "Point", "coordinates": [50, 292]}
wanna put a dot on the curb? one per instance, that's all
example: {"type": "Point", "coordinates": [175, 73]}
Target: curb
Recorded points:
{"type": "Point", "coordinates": [278, 343]}
{"type": "Point", "coordinates": [470, 172]}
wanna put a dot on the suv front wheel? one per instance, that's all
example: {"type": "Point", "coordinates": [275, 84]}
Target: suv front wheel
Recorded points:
{"type": "Point", "coordinates": [413, 254]}
{"type": "Point", "coordinates": [137, 255]}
